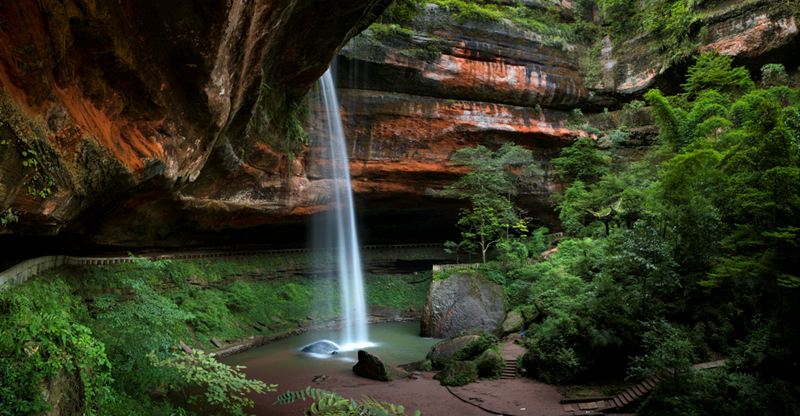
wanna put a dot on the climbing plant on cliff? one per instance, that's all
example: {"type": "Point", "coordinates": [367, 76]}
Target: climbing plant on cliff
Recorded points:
{"type": "Point", "coordinates": [490, 183]}
{"type": "Point", "coordinates": [278, 122]}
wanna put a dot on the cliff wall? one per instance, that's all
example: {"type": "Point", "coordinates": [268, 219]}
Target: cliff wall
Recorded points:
{"type": "Point", "coordinates": [133, 125]}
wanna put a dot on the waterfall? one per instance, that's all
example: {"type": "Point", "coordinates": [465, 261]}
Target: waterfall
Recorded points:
{"type": "Point", "coordinates": [336, 229]}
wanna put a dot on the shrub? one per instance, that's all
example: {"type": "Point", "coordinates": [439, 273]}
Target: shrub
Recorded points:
{"type": "Point", "coordinates": [200, 380]}
{"type": "Point", "coordinates": [490, 364]}
{"type": "Point", "coordinates": [459, 373]}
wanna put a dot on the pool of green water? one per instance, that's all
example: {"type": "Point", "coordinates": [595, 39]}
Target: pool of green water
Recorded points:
{"type": "Point", "coordinates": [394, 343]}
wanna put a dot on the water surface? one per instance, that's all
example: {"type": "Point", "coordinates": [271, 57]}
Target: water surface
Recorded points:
{"type": "Point", "coordinates": [394, 343]}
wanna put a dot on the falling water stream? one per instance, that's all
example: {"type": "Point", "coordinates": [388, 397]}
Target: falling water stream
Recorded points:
{"type": "Point", "coordinates": [337, 231]}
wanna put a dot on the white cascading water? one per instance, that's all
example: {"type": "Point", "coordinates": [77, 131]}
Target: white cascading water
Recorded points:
{"type": "Point", "coordinates": [340, 226]}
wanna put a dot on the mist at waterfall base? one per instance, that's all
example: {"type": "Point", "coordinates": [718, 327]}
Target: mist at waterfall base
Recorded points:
{"type": "Point", "coordinates": [335, 229]}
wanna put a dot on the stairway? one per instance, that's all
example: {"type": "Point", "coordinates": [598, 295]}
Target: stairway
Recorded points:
{"type": "Point", "coordinates": [621, 401]}
{"type": "Point", "coordinates": [510, 370]}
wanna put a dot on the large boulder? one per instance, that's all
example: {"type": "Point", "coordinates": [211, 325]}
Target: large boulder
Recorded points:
{"type": "Point", "coordinates": [459, 373]}
{"type": "Point", "coordinates": [370, 366]}
{"type": "Point", "coordinates": [321, 347]}
{"type": "Point", "coordinates": [463, 348]}
{"type": "Point", "coordinates": [514, 323]}
{"type": "Point", "coordinates": [462, 302]}
{"type": "Point", "coordinates": [448, 349]}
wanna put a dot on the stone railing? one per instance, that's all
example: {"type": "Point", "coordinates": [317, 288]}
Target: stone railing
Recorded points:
{"type": "Point", "coordinates": [462, 266]}
{"type": "Point", "coordinates": [29, 268]}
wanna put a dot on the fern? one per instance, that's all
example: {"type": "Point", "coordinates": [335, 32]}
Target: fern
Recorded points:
{"type": "Point", "coordinates": [327, 402]}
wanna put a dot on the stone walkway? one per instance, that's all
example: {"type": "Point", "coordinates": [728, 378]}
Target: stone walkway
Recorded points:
{"type": "Point", "coordinates": [518, 396]}
{"type": "Point", "coordinates": [624, 400]}
{"type": "Point", "coordinates": [511, 395]}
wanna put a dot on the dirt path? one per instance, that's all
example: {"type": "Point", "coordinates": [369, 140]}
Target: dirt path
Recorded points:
{"type": "Point", "coordinates": [515, 397]}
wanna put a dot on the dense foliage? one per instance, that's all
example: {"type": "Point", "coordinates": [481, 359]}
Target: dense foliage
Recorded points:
{"type": "Point", "coordinates": [490, 183]}
{"type": "Point", "coordinates": [111, 333]}
{"type": "Point", "coordinates": [329, 403]}
{"type": "Point", "coordinates": [686, 255]}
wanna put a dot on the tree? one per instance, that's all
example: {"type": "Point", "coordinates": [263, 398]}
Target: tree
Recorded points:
{"type": "Point", "coordinates": [199, 379]}
{"type": "Point", "coordinates": [489, 184]}
{"type": "Point", "coordinates": [580, 162]}
{"type": "Point", "coordinates": [763, 197]}
{"type": "Point", "coordinates": [669, 119]}
{"type": "Point", "coordinates": [773, 74]}
{"type": "Point", "coordinates": [668, 353]}
{"type": "Point", "coordinates": [714, 71]}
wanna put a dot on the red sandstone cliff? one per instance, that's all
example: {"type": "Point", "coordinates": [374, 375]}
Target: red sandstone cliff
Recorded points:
{"type": "Point", "coordinates": [138, 116]}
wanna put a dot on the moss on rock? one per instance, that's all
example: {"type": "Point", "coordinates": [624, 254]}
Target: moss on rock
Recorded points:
{"type": "Point", "coordinates": [459, 373]}
{"type": "Point", "coordinates": [463, 348]}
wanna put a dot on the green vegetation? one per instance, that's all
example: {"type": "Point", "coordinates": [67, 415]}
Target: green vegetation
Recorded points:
{"type": "Point", "coordinates": [685, 255]}
{"type": "Point", "coordinates": [403, 10]}
{"type": "Point", "coordinates": [489, 184]}
{"type": "Point", "coordinates": [8, 216]}
{"type": "Point", "coordinates": [279, 122]}
{"type": "Point", "coordinates": [549, 22]}
{"type": "Point", "coordinates": [115, 329]}
{"type": "Point", "coordinates": [459, 373]}
{"type": "Point", "coordinates": [329, 403]}
{"type": "Point", "coordinates": [208, 385]}
{"type": "Point", "coordinates": [490, 364]}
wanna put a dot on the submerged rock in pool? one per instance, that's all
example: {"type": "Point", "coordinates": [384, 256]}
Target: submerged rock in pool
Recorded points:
{"type": "Point", "coordinates": [321, 347]}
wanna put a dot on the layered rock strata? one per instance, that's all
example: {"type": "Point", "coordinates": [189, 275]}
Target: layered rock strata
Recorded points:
{"type": "Point", "coordinates": [131, 125]}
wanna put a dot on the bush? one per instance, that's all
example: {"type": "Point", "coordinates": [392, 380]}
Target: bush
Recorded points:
{"type": "Point", "coordinates": [200, 380]}
{"type": "Point", "coordinates": [459, 373]}
{"type": "Point", "coordinates": [19, 389]}
{"type": "Point", "coordinates": [476, 347]}
{"type": "Point", "coordinates": [490, 364]}
{"type": "Point", "coordinates": [773, 74]}
{"type": "Point", "coordinates": [550, 363]}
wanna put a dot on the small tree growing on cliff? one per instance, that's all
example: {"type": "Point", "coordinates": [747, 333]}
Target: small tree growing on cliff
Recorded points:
{"type": "Point", "coordinates": [490, 184]}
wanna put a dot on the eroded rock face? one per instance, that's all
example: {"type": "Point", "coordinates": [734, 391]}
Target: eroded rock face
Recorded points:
{"type": "Point", "coordinates": [749, 32]}
{"type": "Point", "coordinates": [462, 302]}
{"type": "Point", "coordinates": [129, 124]}
{"type": "Point", "coordinates": [112, 107]}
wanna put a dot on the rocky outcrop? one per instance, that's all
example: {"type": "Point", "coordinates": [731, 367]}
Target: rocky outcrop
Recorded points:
{"type": "Point", "coordinates": [112, 108]}
{"type": "Point", "coordinates": [755, 33]}
{"type": "Point", "coordinates": [321, 347]}
{"type": "Point", "coordinates": [462, 302]}
{"type": "Point", "coordinates": [132, 125]}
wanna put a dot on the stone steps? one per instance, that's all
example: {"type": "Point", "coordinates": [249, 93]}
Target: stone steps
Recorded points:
{"type": "Point", "coordinates": [510, 370]}
{"type": "Point", "coordinates": [627, 397]}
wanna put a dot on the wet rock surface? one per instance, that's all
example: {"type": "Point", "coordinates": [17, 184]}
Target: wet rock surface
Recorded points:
{"type": "Point", "coordinates": [321, 347]}
{"type": "Point", "coordinates": [372, 367]}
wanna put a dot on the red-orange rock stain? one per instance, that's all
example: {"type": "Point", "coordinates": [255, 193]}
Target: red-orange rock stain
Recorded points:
{"type": "Point", "coordinates": [752, 41]}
